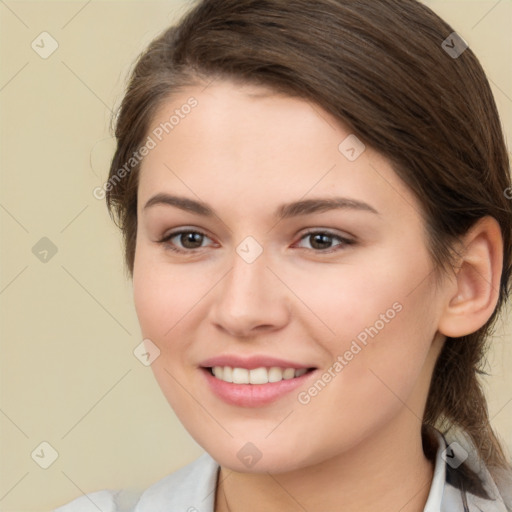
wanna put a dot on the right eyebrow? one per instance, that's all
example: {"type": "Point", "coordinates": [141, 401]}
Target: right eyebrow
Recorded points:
{"type": "Point", "coordinates": [181, 202]}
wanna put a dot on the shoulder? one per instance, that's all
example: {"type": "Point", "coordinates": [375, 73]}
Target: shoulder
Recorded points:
{"type": "Point", "coordinates": [102, 500]}
{"type": "Point", "coordinates": [190, 489]}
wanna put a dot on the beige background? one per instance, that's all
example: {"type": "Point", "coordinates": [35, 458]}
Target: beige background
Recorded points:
{"type": "Point", "coordinates": [68, 326]}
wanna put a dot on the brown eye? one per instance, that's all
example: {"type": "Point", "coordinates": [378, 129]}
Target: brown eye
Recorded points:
{"type": "Point", "coordinates": [184, 241]}
{"type": "Point", "coordinates": [323, 241]}
{"type": "Point", "coordinates": [320, 241]}
{"type": "Point", "coordinates": [191, 240]}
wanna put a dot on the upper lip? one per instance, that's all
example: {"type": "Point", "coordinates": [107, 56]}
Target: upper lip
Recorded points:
{"type": "Point", "coordinates": [257, 361]}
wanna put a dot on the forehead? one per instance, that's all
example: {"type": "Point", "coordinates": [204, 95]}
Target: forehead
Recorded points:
{"type": "Point", "coordinates": [248, 144]}
{"type": "Point", "coordinates": [227, 111]}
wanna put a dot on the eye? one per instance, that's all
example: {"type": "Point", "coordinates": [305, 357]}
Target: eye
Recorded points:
{"type": "Point", "coordinates": [321, 241]}
{"type": "Point", "coordinates": [189, 240]}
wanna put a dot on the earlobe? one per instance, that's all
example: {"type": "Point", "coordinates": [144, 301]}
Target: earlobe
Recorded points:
{"type": "Point", "coordinates": [477, 280]}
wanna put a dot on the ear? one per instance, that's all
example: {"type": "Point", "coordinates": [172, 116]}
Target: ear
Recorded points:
{"type": "Point", "coordinates": [474, 294]}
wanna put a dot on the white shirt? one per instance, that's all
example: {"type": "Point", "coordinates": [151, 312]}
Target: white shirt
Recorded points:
{"type": "Point", "coordinates": [192, 488]}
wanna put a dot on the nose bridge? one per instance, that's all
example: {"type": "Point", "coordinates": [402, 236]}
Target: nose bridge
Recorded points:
{"type": "Point", "coordinates": [248, 277]}
{"type": "Point", "coordinates": [250, 296]}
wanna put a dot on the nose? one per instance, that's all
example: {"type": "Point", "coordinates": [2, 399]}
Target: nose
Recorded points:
{"type": "Point", "coordinates": [250, 299]}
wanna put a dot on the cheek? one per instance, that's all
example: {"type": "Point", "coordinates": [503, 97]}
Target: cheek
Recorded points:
{"type": "Point", "coordinates": [349, 298]}
{"type": "Point", "coordinates": [164, 300]}
{"type": "Point", "coordinates": [162, 294]}
{"type": "Point", "coordinates": [384, 323]}
{"type": "Point", "coordinates": [153, 301]}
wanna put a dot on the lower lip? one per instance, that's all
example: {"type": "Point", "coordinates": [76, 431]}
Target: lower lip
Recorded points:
{"type": "Point", "coordinates": [253, 395]}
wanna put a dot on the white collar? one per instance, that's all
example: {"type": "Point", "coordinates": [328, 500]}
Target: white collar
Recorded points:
{"type": "Point", "coordinates": [444, 495]}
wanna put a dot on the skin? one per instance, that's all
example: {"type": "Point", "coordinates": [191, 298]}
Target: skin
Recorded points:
{"type": "Point", "coordinates": [245, 151]}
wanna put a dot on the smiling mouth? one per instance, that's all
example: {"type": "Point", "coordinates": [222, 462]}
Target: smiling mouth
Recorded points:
{"type": "Point", "coordinates": [262, 375]}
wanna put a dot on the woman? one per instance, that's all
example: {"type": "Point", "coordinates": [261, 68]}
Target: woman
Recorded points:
{"type": "Point", "coordinates": [317, 226]}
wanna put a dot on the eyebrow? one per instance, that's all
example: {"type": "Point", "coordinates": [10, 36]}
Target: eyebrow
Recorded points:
{"type": "Point", "coordinates": [285, 211]}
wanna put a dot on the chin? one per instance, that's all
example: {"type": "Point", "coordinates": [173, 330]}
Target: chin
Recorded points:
{"type": "Point", "coordinates": [257, 457]}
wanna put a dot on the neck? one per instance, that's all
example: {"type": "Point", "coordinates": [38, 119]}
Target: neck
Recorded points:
{"type": "Point", "coordinates": [363, 479]}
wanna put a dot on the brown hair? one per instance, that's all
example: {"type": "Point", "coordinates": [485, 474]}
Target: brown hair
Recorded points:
{"type": "Point", "coordinates": [380, 68]}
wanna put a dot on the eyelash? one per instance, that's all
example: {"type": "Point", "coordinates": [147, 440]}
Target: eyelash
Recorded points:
{"type": "Point", "coordinates": [166, 239]}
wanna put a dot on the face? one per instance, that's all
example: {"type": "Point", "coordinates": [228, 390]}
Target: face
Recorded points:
{"type": "Point", "coordinates": [271, 247]}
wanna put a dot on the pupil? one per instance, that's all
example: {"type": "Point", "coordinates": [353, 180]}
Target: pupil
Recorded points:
{"type": "Point", "coordinates": [321, 239]}
{"type": "Point", "coordinates": [192, 238]}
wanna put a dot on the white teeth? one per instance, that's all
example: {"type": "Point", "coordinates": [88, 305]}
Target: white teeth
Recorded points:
{"type": "Point", "coordinates": [289, 373]}
{"type": "Point", "coordinates": [227, 374]}
{"type": "Point", "coordinates": [257, 375]}
{"type": "Point", "coordinates": [240, 376]}
{"type": "Point", "coordinates": [275, 374]}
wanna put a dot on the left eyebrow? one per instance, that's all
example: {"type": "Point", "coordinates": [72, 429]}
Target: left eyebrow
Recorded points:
{"type": "Point", "coordinates": [310, 206]}
{"type": "Point", "coordinates": [285, 211]}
